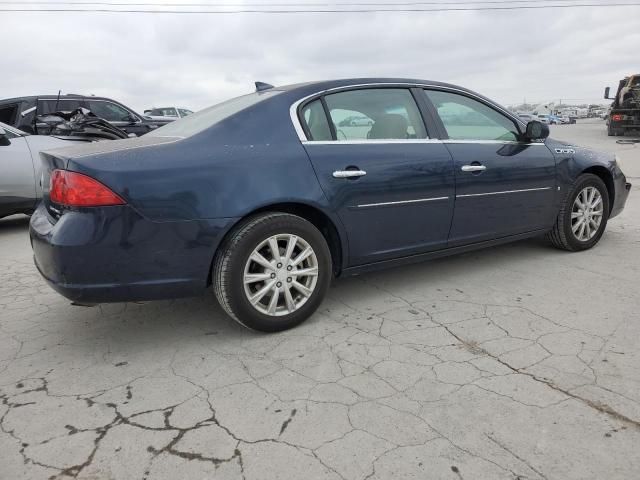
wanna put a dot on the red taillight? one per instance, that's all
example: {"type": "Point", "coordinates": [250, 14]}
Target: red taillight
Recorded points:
{"type": "Point", "coordinates": [617, 117]}
{"type": "Point", "coordinates": [77, 190]}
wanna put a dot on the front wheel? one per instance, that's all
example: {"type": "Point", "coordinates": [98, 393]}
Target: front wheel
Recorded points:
{"type": "Point", "coordinates": [583, 215]}
{"type": "Point", "coordinates": [272, 272]}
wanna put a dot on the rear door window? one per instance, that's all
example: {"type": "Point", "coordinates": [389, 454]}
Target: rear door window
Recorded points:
{"type": "Point", "coordinates": [375, 114]}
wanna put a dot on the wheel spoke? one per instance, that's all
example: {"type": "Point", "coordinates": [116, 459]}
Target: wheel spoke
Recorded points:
{"type": "Point", "coordinates": [581, 231]}
{"type": "Point", "coordinates": [588, 228]}
{"type": "Point", "coordinates": [273, 303]}
{"type": "Point", "coordinates": [596, 202]}
{"type": "Point", "coordinates": [577, 225]}
{"type": "Point", "coordinates": [311, 272]}
{"type": "Point", "coordinates": [275, 250]}
{"type": "Point", "coordinates": [576, 215]}
{"type": "Point", "coordinates": [291, 244]}
{"type": "Point", "coordinates": [259, 259]}
{"type": "Point", "coordinates": [301, 256]}
{"type": "Point", "coordinates": [597, 213]}
{"type": "Point", "coordinates": [301, 288]}
{"type": "Point", "coordinates": [591, 193]}
{"type": "Point", "coordinates": [262, 292]}
{"type": "Point", "coordinates": [256, 277]}
{"type": "Point", "coordinates": [288, 298]}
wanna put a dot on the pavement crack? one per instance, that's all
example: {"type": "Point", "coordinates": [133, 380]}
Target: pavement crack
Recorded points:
{"type": "Point", "coordinates": [286, 423]}
{"type": "Point", "coordinates": [515, 455]}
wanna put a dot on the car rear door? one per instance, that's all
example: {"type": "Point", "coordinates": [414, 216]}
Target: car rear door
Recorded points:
{"type": "Point", "coordinates": [504, 185]}
{"type": "Point", "coordinates": [391, 185]}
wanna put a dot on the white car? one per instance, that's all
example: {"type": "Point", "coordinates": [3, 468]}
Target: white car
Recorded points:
{"type": "Point", "coordinates": [527, 117]}
{"type": "Point", "coordinates": [167, 113]}
{"type": "Point", "coordinates": [20, 178]}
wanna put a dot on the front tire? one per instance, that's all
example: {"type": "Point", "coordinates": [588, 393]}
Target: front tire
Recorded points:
{"type": "Point", "coordinates": [583, 215]}
{"type": "Point", "coordinates": [272, 272]}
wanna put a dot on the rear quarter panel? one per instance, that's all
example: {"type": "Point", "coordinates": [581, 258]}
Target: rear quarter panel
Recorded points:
{"type": "Point", "coordinates": [243, 163]}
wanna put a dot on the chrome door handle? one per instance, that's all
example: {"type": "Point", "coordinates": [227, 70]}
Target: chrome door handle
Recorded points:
{"type": "Point", "coordinates": [473, 168]}
{"type": "Point", "coordinates": [349, 173]}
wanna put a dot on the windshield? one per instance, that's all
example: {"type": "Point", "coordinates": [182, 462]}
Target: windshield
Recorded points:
{"type": "Point", "coordinates": [199, 121]}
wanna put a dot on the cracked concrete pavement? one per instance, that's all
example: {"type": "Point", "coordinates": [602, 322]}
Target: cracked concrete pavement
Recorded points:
{"type": "Point", "coordinates": [516, 362]}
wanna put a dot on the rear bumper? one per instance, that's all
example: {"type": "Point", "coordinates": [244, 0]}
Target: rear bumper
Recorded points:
{"type": "Point", "coordinates": [113, 254]}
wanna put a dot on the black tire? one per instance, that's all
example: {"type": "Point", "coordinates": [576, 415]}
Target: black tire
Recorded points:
{"type": "Point", "coordinates": [232, 256]}
{"type": "Point", "coordinates": [561, 235]}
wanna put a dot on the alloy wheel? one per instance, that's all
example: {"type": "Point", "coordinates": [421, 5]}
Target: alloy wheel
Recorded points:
{"type": "Point", "coordinates": [280, 275]}
{"type": "Point", "coordinates": [586, 214]}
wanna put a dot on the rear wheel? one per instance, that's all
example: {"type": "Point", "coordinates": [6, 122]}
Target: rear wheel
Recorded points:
{"type": "Point", "coordinates": [583, 215]}
{"type": "Point", "coordinates": [273, 272]}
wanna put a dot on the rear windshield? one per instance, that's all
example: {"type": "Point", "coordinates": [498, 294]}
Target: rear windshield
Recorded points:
{"type": "Point", "coordinates": [199, 121]}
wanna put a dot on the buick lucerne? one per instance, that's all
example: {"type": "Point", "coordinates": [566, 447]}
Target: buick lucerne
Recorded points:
{"type": "Point", "coordinates": [266, 197]}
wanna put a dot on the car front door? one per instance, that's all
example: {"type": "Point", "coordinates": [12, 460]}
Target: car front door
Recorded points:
{"type": "Point", "coordinates": [505, 185]}
{"type": "Point", "coordinates": [391, 185]}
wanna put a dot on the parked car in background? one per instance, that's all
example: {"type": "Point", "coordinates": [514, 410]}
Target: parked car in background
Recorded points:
{"type": "Point", "coordinates": [167, 114]}
{"type": "Point", "coordinates": [527, 117]}
{"type": "Point", "coordinates": [355, 121]}
{"type": "Point", "coordinates": [22, 112]}
{"type": "Point", "coordinates": [544, 118]}
{"type": "Point", "coordinates": [21, 167]}
{"type": "Point", "coordinates": [554, 120]}
{"type": "Point", "coordinates": [268, 202]}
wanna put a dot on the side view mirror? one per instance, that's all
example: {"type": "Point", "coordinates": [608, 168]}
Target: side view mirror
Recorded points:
{"type": "Point", "coordinates": [131, 119]}
{"type": "Point", "coordinates": [4, 138]}
{"type": "Point", "coordinates": [606, 93]}
{"type": "Point", "coordinates": [536, 130]}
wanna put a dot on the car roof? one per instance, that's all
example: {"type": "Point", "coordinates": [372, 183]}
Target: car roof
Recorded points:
{"type": "Point", "coordinates": [322, 85]}
{"type": "Point", "coordinates": [53, 96]}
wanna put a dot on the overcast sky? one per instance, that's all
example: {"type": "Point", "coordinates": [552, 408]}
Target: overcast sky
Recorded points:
{"type": "Point", "coordinates": [149, 60]}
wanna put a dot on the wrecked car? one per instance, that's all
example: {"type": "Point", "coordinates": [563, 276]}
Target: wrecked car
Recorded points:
{"type": "Point", "coordinates": [624, 114]}
{"type": "Point", "coordinates": [23, 112]}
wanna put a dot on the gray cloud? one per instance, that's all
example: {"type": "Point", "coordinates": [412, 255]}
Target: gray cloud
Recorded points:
{"type": "Point", "coordinates": [198, 60]}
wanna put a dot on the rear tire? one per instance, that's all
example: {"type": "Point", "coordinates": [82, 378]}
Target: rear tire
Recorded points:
{"type": "Point", "coordinates": [567, 233]}
{"type": "Point", "coordinates": [268, 291]}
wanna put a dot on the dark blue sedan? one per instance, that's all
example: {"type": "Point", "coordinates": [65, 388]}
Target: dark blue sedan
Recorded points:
{"type": "Point", "coordinates": [268, 196]}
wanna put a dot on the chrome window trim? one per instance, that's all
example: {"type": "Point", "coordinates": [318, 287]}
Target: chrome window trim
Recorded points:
{"type": "Point", "coordinates": [293, 109]}
{"type": "Point", "coordinates": [491, 142]}
{"type": "Point", "coordinates": [13, 130]}
{"type": "Point", "coordinates": [26, 112]}
{"type": "Point", "coordinates": [503, 192]}
{"type": "Point", "coordinates": [370, 142]}
{"type": "Point", "coordinates": [402, 202]}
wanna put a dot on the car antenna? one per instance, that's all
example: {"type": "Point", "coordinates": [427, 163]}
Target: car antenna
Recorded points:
{"type": "Point", "coordinates": [261, 86]}
{"type": "Point", "coordinates": [57, 100]}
